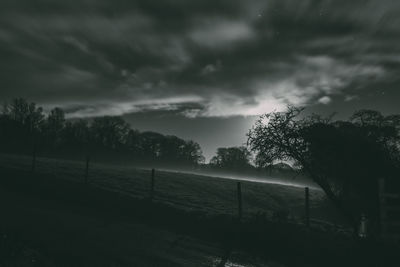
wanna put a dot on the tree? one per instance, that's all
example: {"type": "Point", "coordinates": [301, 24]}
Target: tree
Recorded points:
{"type": "Point", "coordinates": [109, 131]}
{"type": "Point", "coordinates": [76, 135]}
{"type": "Point", "coordinates": [191, 153]}
{"type": "Point", "coordinates": [54, 127]}
{"type": "Point", "coordinates": [27, 115]}
{"type": "Point", "coordinates": [345, 158]}
{"type": "Point", "coordinates": [132, 142]}
{"type": "Point", "coordinates": [5, 110]}
{"type": "Point", "coordinates": [21, 125]}
{"type": "Point", "coordinates": [232, 158]}
{"type": "Point", "coordinates": [56, 120]}
{"type": "Point", "coordinates": [150, 145]}
{"type": "Point", "coordinates": [367, 117]}
{"type": "Point", "coordinates": [19, 110]}
{"type": "Point", "coordinates": [180, 152]}
{"type": "Point", "coordinates": [171, 148]}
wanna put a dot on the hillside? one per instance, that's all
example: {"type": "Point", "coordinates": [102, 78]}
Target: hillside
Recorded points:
{"type": "Point", "coordinates": [51, 217]}
{"type": "Point", "coordinates": [203, 194]}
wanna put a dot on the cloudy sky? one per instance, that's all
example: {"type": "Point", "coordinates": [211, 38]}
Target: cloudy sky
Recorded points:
{"type": "Point", "coordinates": [200, 69]}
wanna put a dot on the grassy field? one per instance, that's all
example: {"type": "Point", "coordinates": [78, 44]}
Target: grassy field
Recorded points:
{"type": "Point", "coordinates": [200, 194]}
{"type": "Point", "coordinates": [51, 218]}
{"type": "Point", "coordinates": [41, 227]}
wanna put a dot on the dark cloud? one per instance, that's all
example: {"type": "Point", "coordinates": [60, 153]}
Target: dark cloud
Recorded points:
{"type": "Point", "coordinates": [200, 58]}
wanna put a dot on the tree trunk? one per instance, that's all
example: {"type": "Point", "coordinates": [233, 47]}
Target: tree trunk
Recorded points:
{"type": "Point", "coordinates": [335, 200]}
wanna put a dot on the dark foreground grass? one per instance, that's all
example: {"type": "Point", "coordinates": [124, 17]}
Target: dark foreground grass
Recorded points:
{"type": "Point", "coordinates": [191, 192]}
{"type": "Point", "coordinates": [282, 241]}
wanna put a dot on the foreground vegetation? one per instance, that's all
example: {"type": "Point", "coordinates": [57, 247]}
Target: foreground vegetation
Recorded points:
{"type": "Point", "coordinates": [198, 193]}
{"type": "Point", "coordinates": [63, 222]}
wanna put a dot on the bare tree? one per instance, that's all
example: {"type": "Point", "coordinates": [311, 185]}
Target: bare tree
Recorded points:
{"type": "Point", "coordinates": [345, 158]}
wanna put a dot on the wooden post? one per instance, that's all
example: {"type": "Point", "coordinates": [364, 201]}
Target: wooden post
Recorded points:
{"type": "Point", "coordinates": [34, 158]}
{"type": "Point", "coordinates": [152, 184]}
{"type": "Point", "coordinates": [239, 196]}
{"type": "Point", "coordinates": [382, 210]}
{"type": "Point", "coordinates": [307, 206]}
{"type": "Point", "coordinates": [87, 169]}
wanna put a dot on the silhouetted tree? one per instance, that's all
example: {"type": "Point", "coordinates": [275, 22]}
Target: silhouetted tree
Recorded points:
{"type": "Point", "coordinates": [155, 147]}
{"type": "Point", "coordinates": [53, 128]}
{"type": "Point", "coordinates": [26, 114]}
{"type": "Point", "coordinates": [132, 142]}
{"type": "Point", "coordinates": [22, 125]}
{"type": "Point", "coordinates": [344, 157]}
{"type": "Point", "coordinates": [21, 122]}
{"type": "Point", "coordinates": [109, 131]}
{"type": "Point", "coordinates": [232, 158]}
{"type": "Point", "coordinates": [191, 153]}
{"type": "Point", "coordinates": [76, 136]}
{"type": "Point", "coordinates": [150, 144]}
{"type": "Point", "coordinates": [5, 110]}
{"type": "Point", "coordinates": [171, 148]}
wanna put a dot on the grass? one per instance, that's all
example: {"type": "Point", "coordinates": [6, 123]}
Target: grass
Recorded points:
{"type": "Point", "coordinates": [190, 192]}
{"type": "Point", "coordinates": [112, 222]}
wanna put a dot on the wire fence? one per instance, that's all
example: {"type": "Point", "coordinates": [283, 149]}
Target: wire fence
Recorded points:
{"type": "Point", "coordinates": [201, 194]}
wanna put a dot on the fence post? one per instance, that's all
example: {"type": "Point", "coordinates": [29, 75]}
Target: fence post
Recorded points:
{"type": "Point", "coordinates": [381, 206]}
{"type": "Point", "coordinates": [152, 184]}
{"type": "Point", "coordinates": [87, 169]}
{"type": "Point", "coordinates": [34, 158]}
{"type": "Point", "coordinates": [307, 206]}
{"type": "Point", "coordinates": [239, 196]}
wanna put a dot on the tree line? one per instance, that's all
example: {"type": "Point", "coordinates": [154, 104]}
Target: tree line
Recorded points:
{"type": "Point", "coordinates": [346, 158]}
{"type": "Point", "coordinates": [24, 127]}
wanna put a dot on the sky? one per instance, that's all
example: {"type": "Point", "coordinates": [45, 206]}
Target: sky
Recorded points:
{"type": "Point", "coordinates": [201, 70]}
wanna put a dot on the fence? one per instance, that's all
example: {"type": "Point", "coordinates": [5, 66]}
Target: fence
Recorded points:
{"type": "Point", "coordinates": [390, 209]}
{"type": "Point", "coordinates": [241, 199]}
